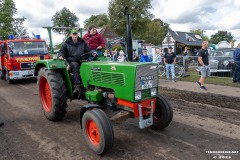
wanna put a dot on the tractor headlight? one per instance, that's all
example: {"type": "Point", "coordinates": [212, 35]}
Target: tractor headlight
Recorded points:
{"type": "Point", "coordinates": [153, 91]}
{"type": "Point", "coordinates": [225, 63]}
{"type": "Point", "coordinates": [138, 95]}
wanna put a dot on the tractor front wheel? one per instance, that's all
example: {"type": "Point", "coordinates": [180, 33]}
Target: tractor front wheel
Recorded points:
{"type": "Point", "coordinates": [163, 114]}
{"type": "Point", "coordinates": [53, 94]}
{"type": "Point", "coordinates": [97, 130]}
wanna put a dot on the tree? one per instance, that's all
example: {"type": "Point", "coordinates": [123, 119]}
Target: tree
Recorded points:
{"type": "Point", "coordinates": [64, 18]}
{"type": "Point", "coordinates": [18, 27]}
{"type": "Point", "coordinates": [7, 11]}
{"type": "Point", "coordinates": [154, 32]}
{"type": "Point", "coordinates": [221, 36]}
{"type": "Point", "coordinates": [139, 15]}
{"type": "Point", "coordinates": [201, 33]}
{"type": "Point", "coordinates": [97, 20]}
{"type": "Point", "coordinates": [9, 24]}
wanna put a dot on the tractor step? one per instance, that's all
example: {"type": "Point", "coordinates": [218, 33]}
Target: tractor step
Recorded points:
{"type": "Point", "coordinates": [120, 116]}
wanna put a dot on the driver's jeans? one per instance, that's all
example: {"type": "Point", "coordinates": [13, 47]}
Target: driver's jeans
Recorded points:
{"type": "Point", "coordinates": [76, 73]}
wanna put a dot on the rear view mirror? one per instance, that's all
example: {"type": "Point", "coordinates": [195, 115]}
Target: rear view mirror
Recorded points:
{"type": "Point", "coordinates": [11, 45]}
{"type": "Point", "coordinates": [2, 50]}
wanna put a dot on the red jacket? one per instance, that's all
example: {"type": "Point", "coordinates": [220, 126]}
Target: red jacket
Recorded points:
{"type": "Point", "coordinates": [94, 41]}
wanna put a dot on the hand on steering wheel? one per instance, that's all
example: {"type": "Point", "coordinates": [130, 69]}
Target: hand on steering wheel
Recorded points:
{"type": "Point", "coordinates": [60, 57]}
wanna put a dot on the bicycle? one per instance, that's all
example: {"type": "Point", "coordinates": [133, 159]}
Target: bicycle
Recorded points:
{"type": "Point", "coordinates": [179, 70]}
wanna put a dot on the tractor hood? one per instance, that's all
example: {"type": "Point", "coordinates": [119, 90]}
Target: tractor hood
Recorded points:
{"type": "Point", "coordinates": [125, 78]}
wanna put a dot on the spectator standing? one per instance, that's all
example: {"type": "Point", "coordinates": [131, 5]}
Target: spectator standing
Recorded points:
{"type": "Point", "coordinates": [114, 55]}
{"type": "Point", "coordinates": [185, 58]}
{"type": "Point", "coordinates": [162, 56]}
{"type": "Point", "coordinates": [203, 65]}
{"type": "Point", "coordinates": [135, 57]}
{"type": "Point", "coordinates": [121, 57]}
{"type": "Point", "coordinates": [170, 61]}
{"type": "Point", "coordinates": [158, 57]}
{"type": "Point", "coordinates": [144, 57]}
{"type": "Point", "coordinates": [236, 58]}
{"type": "Point", "coordinates": [94, 40]}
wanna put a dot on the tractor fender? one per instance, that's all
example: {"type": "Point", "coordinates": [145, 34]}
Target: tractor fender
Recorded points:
{"type": "Point", "coordinates": [49, 64]}
{"type": "Point", "coordinates": [85, 108]}
{"type": "Point", "coordinates": [58, 65]}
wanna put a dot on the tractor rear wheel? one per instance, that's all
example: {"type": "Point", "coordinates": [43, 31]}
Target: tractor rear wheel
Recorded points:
{"type": "Point", "coordinates": [53, 94]}
{"type": "Point", "coordinates": [163, 114]}
{"type": "Point", "coordinates": [97, 130]}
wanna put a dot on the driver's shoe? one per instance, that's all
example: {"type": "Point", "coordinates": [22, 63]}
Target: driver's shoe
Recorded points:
{"type": "Point", "coordinates": [77, 91]}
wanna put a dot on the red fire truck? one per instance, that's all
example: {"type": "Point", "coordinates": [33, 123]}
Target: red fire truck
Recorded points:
{"type": "Point", "coordinates": [18, 57]}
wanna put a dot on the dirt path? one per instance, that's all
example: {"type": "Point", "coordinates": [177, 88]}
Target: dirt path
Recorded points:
{"type": "Point", "coordinates": [211, 88]}
{"type": "Point", "coordinates": [197, 127]}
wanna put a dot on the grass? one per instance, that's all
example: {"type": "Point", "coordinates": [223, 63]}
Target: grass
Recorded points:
{"type": "Point", "coordinates": [194, 76]}
{"type": "Point", "coordinates": [211, 80]}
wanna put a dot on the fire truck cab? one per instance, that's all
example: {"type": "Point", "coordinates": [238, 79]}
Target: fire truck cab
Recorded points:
{"type": "Point", "coordinates": [19, 55]}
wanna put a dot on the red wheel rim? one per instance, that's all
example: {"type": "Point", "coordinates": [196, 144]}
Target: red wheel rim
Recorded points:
{"type": "Point", "coordinates": [93, 132]}
{"type": "Point", "coordinates": [45, 94]}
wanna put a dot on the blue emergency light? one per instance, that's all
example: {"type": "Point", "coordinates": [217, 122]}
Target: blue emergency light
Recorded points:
{"type": "Point", "coordinates": [11, 36]}
{"type": "Point", "coordinates": [38, 37]}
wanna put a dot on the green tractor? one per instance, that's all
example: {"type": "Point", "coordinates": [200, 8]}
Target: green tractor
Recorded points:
{"type": "Point", "coordinates": [129, 87]}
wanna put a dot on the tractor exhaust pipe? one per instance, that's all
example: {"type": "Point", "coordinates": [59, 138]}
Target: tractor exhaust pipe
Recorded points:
{"type": "Point", "coordinates": [129, 35]}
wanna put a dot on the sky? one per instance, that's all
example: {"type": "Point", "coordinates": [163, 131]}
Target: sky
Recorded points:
{"type": "Point", "coordinates": [182, 15]}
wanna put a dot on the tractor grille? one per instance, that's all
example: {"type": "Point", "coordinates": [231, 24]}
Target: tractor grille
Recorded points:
{"type": "Point", "coordinates": [109, 78]}
{"type": "Point", "coordinates": [29, 65]}
{"type": "Point", "coordinates": [143, 72]}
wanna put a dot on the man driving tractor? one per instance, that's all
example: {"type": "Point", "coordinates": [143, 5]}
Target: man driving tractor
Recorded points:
{"type": "Point", "coordinates": [72, 51]}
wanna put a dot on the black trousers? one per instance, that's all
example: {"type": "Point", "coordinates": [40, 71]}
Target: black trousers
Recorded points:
{"type": "Point", "coordinates": [236, 73]}
{"type": "Point", "coordinates": [76, 72]}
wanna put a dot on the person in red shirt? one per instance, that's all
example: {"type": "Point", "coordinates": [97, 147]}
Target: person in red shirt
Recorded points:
{"type": "Point", "coordinates": [94, 40]}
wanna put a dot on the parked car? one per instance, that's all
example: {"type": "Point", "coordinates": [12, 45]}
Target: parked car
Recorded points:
{"type": "Point", "coordinates": [221, 61]}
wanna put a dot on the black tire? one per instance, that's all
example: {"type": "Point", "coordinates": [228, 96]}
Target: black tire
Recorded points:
{"type": "Point", "coordinates": [105, 140]}
{"type": "Point", "coordinates": [2, 74]}
{"type": "Point", "coordinates": [9, 81]}
{"type": "Point", "coordinates": [163, 114]}
{"type": "Point", "coordinates": [52, 93]}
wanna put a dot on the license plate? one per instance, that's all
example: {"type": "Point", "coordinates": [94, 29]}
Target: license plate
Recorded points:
{"type": "Point", "coordinates": [30, 72]}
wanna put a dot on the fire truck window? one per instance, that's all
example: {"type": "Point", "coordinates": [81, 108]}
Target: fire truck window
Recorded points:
{"type": "Point", "coordinates": [29, 48]}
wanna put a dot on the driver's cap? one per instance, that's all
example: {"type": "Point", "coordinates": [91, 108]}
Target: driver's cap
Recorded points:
{"type": "Point", "coordinates": [74, 31]}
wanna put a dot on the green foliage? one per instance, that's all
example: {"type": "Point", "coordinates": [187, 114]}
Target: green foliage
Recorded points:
{"type": "Point", "coordinates": [221, 36]}
{"type": "Point", "coordinates": [118, 48]}
{"type": "Point", "coordinates": [64, 18]}
{"type": "Point", "coordinates": [59, 46]}
{"type": "Point", "coordinates": [7, 11]}
{"type": "Point", "coordinates": [18, 27]}
{"type": "Point", "coordinates": [154, 32]}
{"type": "Point", "coordinates": [139, 14]}
{"type": "Point", "coordinates": [97, 20]}
{"type": "Point", "coordinates": [201, 33]}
